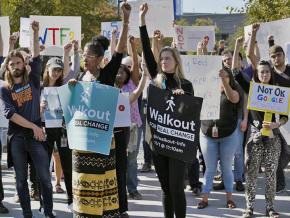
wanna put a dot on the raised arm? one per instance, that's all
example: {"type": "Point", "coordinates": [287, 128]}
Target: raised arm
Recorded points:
{"type": "Point", "coordinates": [232, 95]}
{"type": "Point", "coordinates": [238, 46]}
{"type": "Point", "coordinates": [36, 49]}
{"type": "Point", "coordinates": [1, 44]}
{"type": "Point", "coordinates": [138, 91]}
{"type": "Point", "coordinates": [157, 44]}
{"type": "Point", "coordinates": [113, 41]}
{"type": "Point", "coordinates": [252, 44]}
{"type": "Point", "coordinates": [126, 10]}
{"type": "Point", "coordinates": [135, 63]}
{"type": "Point", "coordinates": [148, 54]}
{"type": "Point", "coordinates": [66, 51]}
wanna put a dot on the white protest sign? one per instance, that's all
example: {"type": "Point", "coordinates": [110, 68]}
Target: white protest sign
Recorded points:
{"type": "Point", "coordinates": [24, 39]}
{"type": "Point", "coordinates": [269, 98]}
{"type": "Point", "coordinates": [187, 37]}
{"type": "Point", "coordinates": [108, 27]}
{"type": "Point", "coordinates": [279, 29]}
{"type": "Point", "coordinates": [285, 130]}
{"type": "Point", "coordinates": [56, 31]}
{"type": "Point", "coordinates": [123, 116]}
{"type": "Point", "coordinates": [202, 71]}
{"type": "Point", "coordinates": [53, 113]}
{"type": "Point", "coordinates": [287, 52]}
{"type": "Point", "coordinates": [160, 16]}
{"type": "Point", "coordinates": [5, 32]}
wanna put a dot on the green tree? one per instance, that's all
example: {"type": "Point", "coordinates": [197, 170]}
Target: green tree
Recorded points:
{"type": "Point", "coordinates": [264, 10]}
{"type": "Point", "coordinates": [91, 11]}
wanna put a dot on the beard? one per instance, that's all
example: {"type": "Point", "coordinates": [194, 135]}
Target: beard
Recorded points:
{"type": "Point", "coordinates": [16, 73]}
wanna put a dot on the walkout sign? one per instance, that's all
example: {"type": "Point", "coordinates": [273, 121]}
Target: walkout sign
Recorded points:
{"type": "Point", "coordinates": [174, 123]}
{"type": "Point", "coordinates": [269, 98]}
{"type": "Point", "coordinates": [89, 110]}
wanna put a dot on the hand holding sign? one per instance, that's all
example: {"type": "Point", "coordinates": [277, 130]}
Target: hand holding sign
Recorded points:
{"type": "Point", "coordinates": [67, 48]}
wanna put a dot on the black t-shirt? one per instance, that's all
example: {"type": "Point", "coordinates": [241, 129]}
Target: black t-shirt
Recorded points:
{"type": "Point", "coordinates": [228, 119]}
{"type": "Point", "coordinates": [283, 79]}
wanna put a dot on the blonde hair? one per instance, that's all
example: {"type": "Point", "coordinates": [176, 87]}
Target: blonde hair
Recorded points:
{"type": "Point", "coordinates": [8, 74]}
{"type": "Point", "coordinates": [178, 74]}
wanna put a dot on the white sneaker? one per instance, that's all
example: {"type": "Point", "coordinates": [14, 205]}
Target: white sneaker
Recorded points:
{"type": "Point", "coordinates": [70, 207]}
{"type": "Point", "coordinates": [41, 211]}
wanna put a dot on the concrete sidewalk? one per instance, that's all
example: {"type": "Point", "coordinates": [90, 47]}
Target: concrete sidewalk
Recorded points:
{"type": "Point", "coordinates": [151, 205]}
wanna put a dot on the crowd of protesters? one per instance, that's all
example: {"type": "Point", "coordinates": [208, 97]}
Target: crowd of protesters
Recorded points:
{"type": "Point", "coordinates": [234, 140]}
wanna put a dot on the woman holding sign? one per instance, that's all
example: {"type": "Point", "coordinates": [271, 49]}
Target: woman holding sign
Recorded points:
{"type": "Point", "coordinates": [167, 74]}
{"type": "Point", "coordinates": [261, 149]}
{"type": "Point", "coordinates": [219, 139]}
{"type": "Point", "coordinates": [95, 172]}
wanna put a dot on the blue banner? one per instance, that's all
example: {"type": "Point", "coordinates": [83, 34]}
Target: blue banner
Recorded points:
{"type": "Point", "coordinates": [89, 110]}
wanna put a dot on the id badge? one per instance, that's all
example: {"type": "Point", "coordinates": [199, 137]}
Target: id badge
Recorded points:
{"type": "Point", "coordinates": [215, 132]}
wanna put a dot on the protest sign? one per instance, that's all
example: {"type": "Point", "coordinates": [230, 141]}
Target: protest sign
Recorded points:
{"type": "Point", "coordinates": [268, 98]}
{"type": "Point", "coordinates": [56, 31]}
{"type": "Point", "coordinates": [202, 71]}
{"type": "Point", "coordinates": [123, 116]}
{"type": "Point", "coordinates": [5, 32]}
{"type": "Point", "coordinates": [53, 112]}
{"type": "Point", "coordinates": [160, 16]}
{"type": "Point", "coordinates": [174, 123]}
{"type": "Point", "coordinates": [285, 130]}
{"type": "Point", "coordinates": [108, 27]}
{"type": "Point", "coordinates": [3, 120]}
{"type": "Point", "coordinates": [89, 110]}
{"type": "Point", "coordinates": [187, 37]}
{"type": "Point", "coordinates": [24, 39]}
{"type": "Point", "coordinates": [277, 28]}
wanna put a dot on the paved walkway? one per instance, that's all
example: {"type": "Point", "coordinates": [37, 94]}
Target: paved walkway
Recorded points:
{"type": "Point", "coordinates": [151, 205]}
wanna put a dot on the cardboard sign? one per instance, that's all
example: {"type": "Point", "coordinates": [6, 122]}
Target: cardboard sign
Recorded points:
{"type": "Point", "coordinates": [269, 98]}
{"type": "Point", "coordinates": [56, 31]}
{"type": "Point", "coordinates": [5, 32]}
{"type": "Point", "coordinates": [108, 27]}
{"type": "Point", "coordinates": [89, 110]}
{"type": "Point", "coordinates": [123, 116]}
{"type": "Point", "coordinates": [188, 37]}
{"type": "Point", "coordinates": [24, 39]}
{"type": "Point", "coordinates": [53, 113]}
{"type": "Point", "coordinates": [279, 29]}
{"type": "Point", "coordinates": [174, 123]}
{"type": "Point", "coordinates": [202, 71]}
{"type": "Point", "coordinates": [160, 16]}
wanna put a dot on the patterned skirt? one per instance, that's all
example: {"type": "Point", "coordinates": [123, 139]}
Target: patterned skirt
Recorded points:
{"type": "Point", "coordinates": [95, 190]}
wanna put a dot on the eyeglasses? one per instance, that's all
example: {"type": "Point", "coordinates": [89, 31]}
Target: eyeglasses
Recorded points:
{"type": "Point", "coordinates": [88, 56]}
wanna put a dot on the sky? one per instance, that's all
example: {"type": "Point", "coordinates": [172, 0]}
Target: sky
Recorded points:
{"type": "Point", "coordinates": [210, 6]}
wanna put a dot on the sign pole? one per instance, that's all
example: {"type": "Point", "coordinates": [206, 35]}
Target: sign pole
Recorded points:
{"type": "Point", "coordinates": [267, 118]}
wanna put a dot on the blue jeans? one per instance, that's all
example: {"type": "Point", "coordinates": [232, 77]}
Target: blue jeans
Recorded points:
{"type": "Point", "coordinates": [223, 149]}
{"type": "Point", "coordinates": [20, 147]}
{"type": "Point", "coordinates": [132, 166]}
{"type": "Point", "coordinates": [239, 155]}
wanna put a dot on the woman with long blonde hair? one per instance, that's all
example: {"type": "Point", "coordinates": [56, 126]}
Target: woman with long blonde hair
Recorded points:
{"type": "Point", "coordinates": [167, 74]}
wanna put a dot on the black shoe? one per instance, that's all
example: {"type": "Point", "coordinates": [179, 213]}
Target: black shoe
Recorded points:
{"type": "Point", "coordinates": [135, 195]}
{"type": "Point", "coordinates": [196, 191]}
{"type": "Point", "coordinates": [34, 195]}
{"type": "Point", "coordinates": [239, 186]}
{"type": "Point", "coordinates": [124, 215]}
{"type": "Point", "coordinates": [279, 188]}
{"type": "Point", "coordinates": [50, 216]}
{"type": "Point", "coordinates": [3, 209]}
{"type": "Point", "coordinates": [146, 168]}
{"type": "Point", "coordinates": [219, 186]}
{"type": "Point", "coordinates": [248, 213]}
